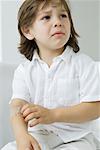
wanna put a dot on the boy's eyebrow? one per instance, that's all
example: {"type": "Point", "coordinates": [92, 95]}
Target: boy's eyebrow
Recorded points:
{"type": "Point", "coordinates": [50, 11]}
{"type": "Point", "coordinates": [44, 12]}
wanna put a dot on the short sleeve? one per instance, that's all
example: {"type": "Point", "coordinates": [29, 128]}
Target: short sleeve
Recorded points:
{"type": "Point", "coordinates": [89, 80]}
{"type": "Point", "coordinates": [19, 86]}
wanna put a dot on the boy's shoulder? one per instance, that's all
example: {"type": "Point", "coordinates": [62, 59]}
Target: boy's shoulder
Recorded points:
{"type": "Point", "coordinates": [82, 58]}
{"type": "Point", "coordinates": [83, 62]}
{"type": "Point", "coordinates": [24, 65]}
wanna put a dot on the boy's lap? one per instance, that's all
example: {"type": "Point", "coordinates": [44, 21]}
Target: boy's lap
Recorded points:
{"type": "Point", "coordinates": [85, 143]}
{"type": "Point", "coordinates": [48, 142]}
{"type": "Point", "coordinates": [75, 146]}
{"type": "Point", "coordinates": [70, 146]}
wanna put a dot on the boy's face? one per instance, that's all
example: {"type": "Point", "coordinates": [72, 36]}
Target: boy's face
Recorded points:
{"type": "Point", "coordinates": [51, 29]}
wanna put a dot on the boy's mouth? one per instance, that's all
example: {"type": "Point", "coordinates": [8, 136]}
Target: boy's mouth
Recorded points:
{"type": "Point", "coordinates": [58, 34]}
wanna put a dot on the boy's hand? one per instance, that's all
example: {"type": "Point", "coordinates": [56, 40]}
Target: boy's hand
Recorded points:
{"type": "Point", "coordinates": [27, 142]}
{"type": "Point", "coordinates": [37, 114]}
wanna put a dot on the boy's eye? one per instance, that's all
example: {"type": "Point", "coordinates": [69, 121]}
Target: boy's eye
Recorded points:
{"type": "Point", "coordinates": [64, 16]}
{"type": "Point", "coordinates": [46, 18]}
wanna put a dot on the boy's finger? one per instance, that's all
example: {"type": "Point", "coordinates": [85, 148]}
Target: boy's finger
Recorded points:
{"type": "Point", "coordinates": [31, 116]}
{"type": "Point", "coordinates": [24, 108]}
{"type": "Point", "coordinates": [36, 146]}
{"type": "Point", "coordinates": [33, 122]}
{"type": "Point", "coordinates": [27, 106]}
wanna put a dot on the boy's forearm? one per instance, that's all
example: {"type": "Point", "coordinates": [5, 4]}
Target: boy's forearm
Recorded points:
{"type": "Point", "coordinates": [18, 124]}
{"type": "Point", "coordinates": [78, 114]}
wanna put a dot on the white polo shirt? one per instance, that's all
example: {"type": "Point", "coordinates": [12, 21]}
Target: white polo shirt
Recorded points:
{"type": "Point", "coordinates": [71, 79]}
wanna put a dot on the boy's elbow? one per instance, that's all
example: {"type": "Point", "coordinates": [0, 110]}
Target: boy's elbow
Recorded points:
{"type": "Point", "coordinates": [17, 102]}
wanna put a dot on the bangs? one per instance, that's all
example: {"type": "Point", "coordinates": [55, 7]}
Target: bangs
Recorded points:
{"type": "Point", "coordinates": [62, 3]}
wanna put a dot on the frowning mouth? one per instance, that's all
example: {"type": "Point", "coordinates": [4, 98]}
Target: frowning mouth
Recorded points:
{"type": "Point", "coordinates": [58, 34]}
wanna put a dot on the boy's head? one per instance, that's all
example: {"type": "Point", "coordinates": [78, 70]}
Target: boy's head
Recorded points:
{"type": "Point", "coordinates": [27, 15]}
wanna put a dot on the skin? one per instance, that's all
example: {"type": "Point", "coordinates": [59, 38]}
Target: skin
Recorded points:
{"type": "Point", "coordinates": [51, 31]}
{"type": "Point", "coordinates": [26, 141]}
{"type": "Point", "coordinates": [88, 111]}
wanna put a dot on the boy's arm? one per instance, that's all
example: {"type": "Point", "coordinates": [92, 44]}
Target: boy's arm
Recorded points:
{"type": "Point", "coordinates": [79, 113]}
{"type": "Point", "coordinates": [23, 139]}
{"type": "Point", "coordinates": [82, 112]}
{"type": "Point", "coordinates": [18, 124]}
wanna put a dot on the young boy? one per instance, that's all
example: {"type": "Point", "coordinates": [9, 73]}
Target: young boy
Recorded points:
{"type": "Point", "coordinates": [56, 91]}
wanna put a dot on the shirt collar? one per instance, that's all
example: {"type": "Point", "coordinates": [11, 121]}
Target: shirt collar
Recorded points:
{"type": "Point", "coordinates": [35, 56]}
{"type": "Point", "coordinates": [65, 56]}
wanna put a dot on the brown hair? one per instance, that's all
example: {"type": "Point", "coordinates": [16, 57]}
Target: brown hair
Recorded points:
{"type": "Point", "coordinates": [26, 16]}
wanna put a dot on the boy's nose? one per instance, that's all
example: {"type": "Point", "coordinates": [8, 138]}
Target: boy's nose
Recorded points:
{"type": "Point", "coordinates": [57, 22]}
{"type": "Point", "coordinates": [57, 25]}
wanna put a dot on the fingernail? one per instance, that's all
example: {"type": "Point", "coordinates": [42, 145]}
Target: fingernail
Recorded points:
{"type": "Point", "coordinates": [30, 125]}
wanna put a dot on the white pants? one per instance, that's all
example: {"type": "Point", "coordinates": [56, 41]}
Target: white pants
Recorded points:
{"type": "Point", "coordinates": [50, 141]}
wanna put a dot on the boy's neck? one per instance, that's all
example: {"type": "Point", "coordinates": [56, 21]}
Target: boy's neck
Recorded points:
{"type": "Point", "coordinates": [48, 55]}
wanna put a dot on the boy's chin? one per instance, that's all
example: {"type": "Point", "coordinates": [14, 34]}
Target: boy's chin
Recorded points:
{"type": "Point", "coordinates": [59, 47]}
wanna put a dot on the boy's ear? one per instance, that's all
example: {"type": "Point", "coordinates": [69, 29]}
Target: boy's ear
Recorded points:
{"type": "Point", "coordinates": [27, 33]}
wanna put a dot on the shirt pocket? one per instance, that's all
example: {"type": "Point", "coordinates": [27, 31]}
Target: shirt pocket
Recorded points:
{"type": "Point", "coordinates": [67, 91]}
